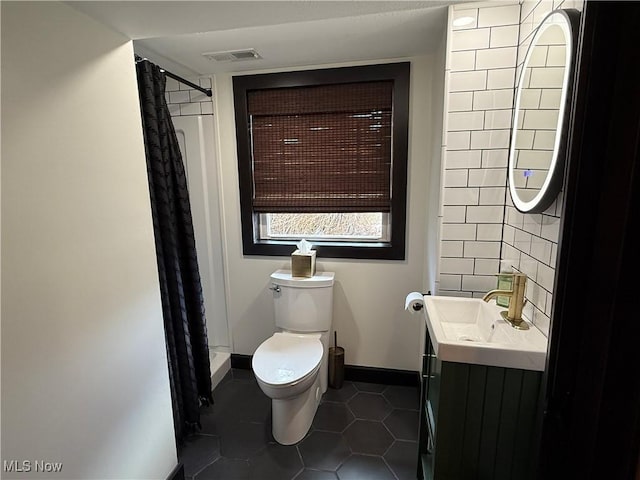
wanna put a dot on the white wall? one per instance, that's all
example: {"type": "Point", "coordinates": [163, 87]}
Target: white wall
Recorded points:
{"type": "Point", "coordinates": [369, 295]}
{"type": "Point", "coordinates": [84, 372]}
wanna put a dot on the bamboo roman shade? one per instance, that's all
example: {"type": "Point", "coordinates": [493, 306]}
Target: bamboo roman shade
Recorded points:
{"type": "Point", "coordinates": [321, 149]}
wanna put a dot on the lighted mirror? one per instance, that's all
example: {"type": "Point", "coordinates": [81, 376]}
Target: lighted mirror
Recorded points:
{"type": "Point", "coordinates": [538, 139]}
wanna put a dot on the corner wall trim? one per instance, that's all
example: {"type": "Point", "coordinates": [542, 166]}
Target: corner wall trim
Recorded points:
{"type": "Point", "coordinates": [353, 373]}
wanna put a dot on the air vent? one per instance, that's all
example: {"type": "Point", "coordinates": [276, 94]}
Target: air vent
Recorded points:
{"type": "Point", "coordinates": [234, 56]}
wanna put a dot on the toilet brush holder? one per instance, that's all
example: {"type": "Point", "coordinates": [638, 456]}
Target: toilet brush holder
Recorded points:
{"type": "Point", "coordinates": [336, 365]}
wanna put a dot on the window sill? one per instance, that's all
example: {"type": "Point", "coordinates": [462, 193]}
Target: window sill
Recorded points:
{"type": "Point", "coordinates": [354, 250]}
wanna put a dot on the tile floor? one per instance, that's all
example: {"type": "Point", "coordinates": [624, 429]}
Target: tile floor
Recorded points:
{"type": "Point", "coordinates": [362, 431]}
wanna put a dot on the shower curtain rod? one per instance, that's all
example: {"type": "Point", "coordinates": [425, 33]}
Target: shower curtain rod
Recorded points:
{"type": "Point", "coordinates": [206, 91]}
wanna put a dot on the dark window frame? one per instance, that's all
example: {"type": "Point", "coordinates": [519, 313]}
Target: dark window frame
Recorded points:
{"type": "Point", "coordinates": [392, 250]}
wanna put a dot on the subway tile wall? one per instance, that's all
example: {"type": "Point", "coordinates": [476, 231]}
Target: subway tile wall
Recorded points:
{"type": "Point", "coordinates": [479, 225]}
{"type": "Point", "coordinates": [183, 100]}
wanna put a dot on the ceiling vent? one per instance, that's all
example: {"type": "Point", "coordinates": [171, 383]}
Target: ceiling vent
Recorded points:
{"type": "Point", "coordinates": [234, 56]}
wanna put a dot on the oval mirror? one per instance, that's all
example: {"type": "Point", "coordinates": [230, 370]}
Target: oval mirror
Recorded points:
{"type": "Point", "coordinates": [537, 150]}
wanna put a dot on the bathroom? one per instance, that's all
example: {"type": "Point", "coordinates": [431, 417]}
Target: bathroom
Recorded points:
{"type": "Point", "coordinates": [458, 229]}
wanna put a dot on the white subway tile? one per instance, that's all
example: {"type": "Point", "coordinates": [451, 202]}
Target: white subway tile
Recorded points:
{"type": "Point", "coordinates": [528, 266]}
{"type": "Point", "coordinates": [485, 214]}
{"type": "Point", "coordinates": [171, 85]}
{"type": "Point", "coordinates": [544, 140]}
{"type": "Point", "coordinates": [503, 57]}
{"type": "Point", "coordinates": [460, 196]}
{"type": "Point", "coordinates": [527, 8]}
{"type": "Point", "coordinates": [542, 323]}
{"type": "Point", "coordinates": [530, 98]}
{"type": "Point", "coordinates": [459, 266]}
{"type": "Point", "coordinates": [184, 86]}
{"type": "Point", "coordinates": [197, 96]}
{"type": "Point", "coordinates": [492, 195]}
{"type": "Point", "coordinates": [463, 60]}
{"type": "Point", "coordinates": [458, 231]}
{"type": "Point", "coordinates": [460, 101]}
{"type": "Point", "coordinates": [495, 158]}
{"type": "Point", "coordinates": [515, 218]}
{"type": "Point", "coordinates": [471, 13]}
{"type": "Point", "coordinates": [467, 81]}
{"type": "Point", "coordinates": [450, 282]}
{"type": "Point", "coordinates": [538, 57]}
{"type": "Point", "coordinates": [550, 98]}
{"type": "Point", "coordinates": [463, 159]}
{"type": "Point", "coordinates": [554, 255]}
{"type": "Point", "coordinates": [458, 140]}
{"type": "Point", "coordinates": [457, 121]}
{"type": "Point", "coordinates": [454, 214]}
{"type": "Point", "coordinates": [489, 232]}
{"type": "Point", "coordinates": [524, 139]}
{"type": "Point", "coordinates": [455, 178]}
{"type": "Point", "coordinates": [532, 223]}
{"type": "Point", "coordinates": [504, 36]}
{"type": "Point", "coordinates": [548, 77]}
{"type": "Point", "coordinates": [495, 16]}
{"type": "Point", "coordinates": [536, 295]}
{"type": "Point", "coordinates": [174, 109]}
{"type": "Point", "coordinates": [541, 11]}
{"type": "Point", "coordinates": [540, 119]}
{"type": "Point", "coordinates": [494, 119]}
{"type": "Point", "coordinates": [207, 108]}
{"type": "Point", "coordinates": [550, 230]}
{"type": "Point", "coordinates": [478, 283]}
{"type": "Point", "coordinates": [489, 139]}
{"type": "Point", "coordinates": [488, 177]}
{"type": "Point", "coordinates": [541, 249]}
{"type": "Point", "coordinates": [450, 248]}
{"type": "Point", "coordinates": [190, 109]}
{"type": "Point", "coordinates": [547, 310]}
{"type": "Point", "coordinates": [482, 249]}
{"type": "Point", "coordinates": [487, 266]}
{"type": "Point", "coordinates": [522, 241]}
{"type": "Point", "coordinates": [493, 99]}
{"type": "Point", "coordinates": [179, 97]}
{"type": "Point", "coordinates": [512, 253]}
{"type": "Point", "coordinates": [470, 39]}
{"type": "Point", "coordinates": [508, 234]}
{"type": "Point", "coordinates": [454, 293]}
{"type": "Point", "coordinates": [501, 78]}
{"type": "Point", "coordinates": [546, 277]}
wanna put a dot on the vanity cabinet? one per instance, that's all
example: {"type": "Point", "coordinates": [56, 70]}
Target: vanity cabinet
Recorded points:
{"type": "Point", "coordinates": [477, 422]}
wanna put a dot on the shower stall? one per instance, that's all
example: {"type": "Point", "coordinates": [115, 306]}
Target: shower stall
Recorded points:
{"type": "Point", "coordinates": [196, 139]}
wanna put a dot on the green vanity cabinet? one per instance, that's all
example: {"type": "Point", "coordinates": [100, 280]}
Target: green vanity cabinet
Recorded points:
{"type": "Point", "coordinates": [477, 422]}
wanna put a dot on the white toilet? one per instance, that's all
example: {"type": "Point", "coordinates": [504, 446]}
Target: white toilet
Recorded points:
{"type": "Point", "coordinates": [291, 365]}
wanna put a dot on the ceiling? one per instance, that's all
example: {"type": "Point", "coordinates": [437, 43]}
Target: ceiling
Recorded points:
{"type": "Point", "coordinates": [175, 34]}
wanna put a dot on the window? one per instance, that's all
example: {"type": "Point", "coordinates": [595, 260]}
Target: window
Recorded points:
{"type": "Point", "coordinates": [322, 155]}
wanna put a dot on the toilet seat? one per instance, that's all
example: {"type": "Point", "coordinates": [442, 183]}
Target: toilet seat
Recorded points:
{"type": "Point", "coordinates": [286, 359]}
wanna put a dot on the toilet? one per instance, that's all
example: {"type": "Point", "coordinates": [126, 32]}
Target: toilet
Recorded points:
{"type": "Point", "coordinates": [291, 366]}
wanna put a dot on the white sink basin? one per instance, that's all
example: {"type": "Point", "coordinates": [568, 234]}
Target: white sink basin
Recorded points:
{"type": "Point", "coordinates": [470, 330]}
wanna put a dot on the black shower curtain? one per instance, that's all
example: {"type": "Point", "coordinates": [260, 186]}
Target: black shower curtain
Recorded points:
{"type": "Point", "coordinates": [180, 287]}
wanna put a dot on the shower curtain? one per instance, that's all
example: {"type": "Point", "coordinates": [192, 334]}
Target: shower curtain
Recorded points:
{"type": "Point", "coordinates": [180, 288]}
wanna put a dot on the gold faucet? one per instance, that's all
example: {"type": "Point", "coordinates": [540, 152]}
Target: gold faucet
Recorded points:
{"type": "Point", "coordinates": [516, 300]}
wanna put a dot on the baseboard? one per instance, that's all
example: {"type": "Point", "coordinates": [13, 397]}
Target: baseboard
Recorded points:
{"type": "Point", "coordinates": [178, 473]}
{"type": "Point", "coordinates": [242, 362]}
{"type": "Point", "coordinates": [353, 373]}
{"type": "Point", "coordinates": [386, 376]}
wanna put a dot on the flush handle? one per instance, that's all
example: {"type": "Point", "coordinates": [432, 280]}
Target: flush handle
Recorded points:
{"type": "Point", "coordinates": [275, 288]}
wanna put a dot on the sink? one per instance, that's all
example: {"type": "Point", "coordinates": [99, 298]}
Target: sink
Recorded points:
{"type": "Point", "coordinates": [470, 330]}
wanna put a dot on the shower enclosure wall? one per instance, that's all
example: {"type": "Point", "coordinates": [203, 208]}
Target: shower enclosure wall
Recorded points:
{"type": "Point", "coordinates": [196, 138]}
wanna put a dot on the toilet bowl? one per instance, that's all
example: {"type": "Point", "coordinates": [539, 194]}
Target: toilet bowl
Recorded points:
{"type": "Point", "coordinates": [291, 366]}
{"type": "Point", "coordinates": [287, 367]}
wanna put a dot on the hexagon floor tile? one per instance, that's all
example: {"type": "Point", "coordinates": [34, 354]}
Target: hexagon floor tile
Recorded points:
{"type": "Point", "coordinates": [360, 431]}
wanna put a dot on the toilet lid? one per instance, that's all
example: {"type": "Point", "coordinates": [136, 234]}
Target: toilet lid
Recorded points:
{"type": "Point", "coordinates": [286, 358]}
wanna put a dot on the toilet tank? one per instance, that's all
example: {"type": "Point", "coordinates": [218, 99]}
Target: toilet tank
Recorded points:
{"type": "Point", "coordinates": [303, 304]}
